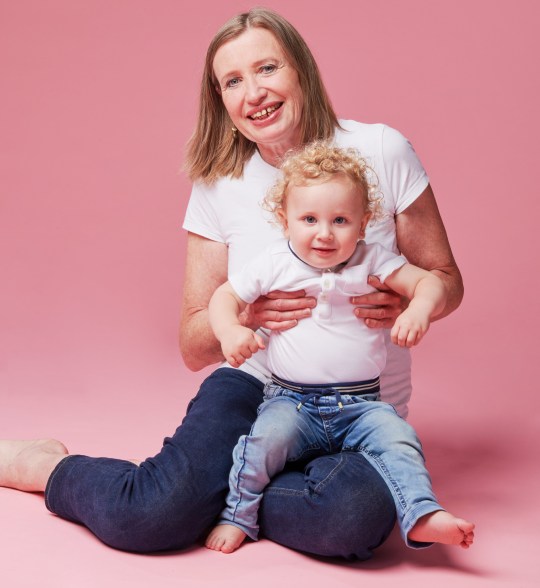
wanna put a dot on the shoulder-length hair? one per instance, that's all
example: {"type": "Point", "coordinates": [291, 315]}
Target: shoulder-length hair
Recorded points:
{"type": "Point", "coordinates": [213, 151]}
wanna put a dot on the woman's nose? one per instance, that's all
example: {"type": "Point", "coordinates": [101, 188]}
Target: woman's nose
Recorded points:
{"type": "Point", "coordinates": [255, 93]}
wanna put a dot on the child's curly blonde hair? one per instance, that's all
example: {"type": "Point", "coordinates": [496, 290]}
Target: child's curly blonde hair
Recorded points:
{"type": "Point", "coordinates": [318, 162]}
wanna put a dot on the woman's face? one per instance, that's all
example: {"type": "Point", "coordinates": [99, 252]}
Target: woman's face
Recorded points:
{"type": "Point", "coordinates": [260, 91]}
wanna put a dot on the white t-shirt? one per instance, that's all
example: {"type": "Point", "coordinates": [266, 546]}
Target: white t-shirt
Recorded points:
{"type": "Point", "coordinates": [332, 345]}
{"type": "Point", "coordinates": [229, 212]}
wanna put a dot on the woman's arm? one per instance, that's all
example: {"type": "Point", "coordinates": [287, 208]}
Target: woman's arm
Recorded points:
{"type": "Point", "coordinates": [206, 269]}
{"type": "Point", "coordinates": [422, 238]}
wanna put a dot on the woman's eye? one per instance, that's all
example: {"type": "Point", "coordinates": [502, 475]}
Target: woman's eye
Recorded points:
{"type": "Point", "coordinates": [340, 220]}
{"type": "Point", "coordinates": [232, 82]}
{"type": "Point", "coordinates": [310, 220]}
{"type": "Point", "coordinates": [269, 68]}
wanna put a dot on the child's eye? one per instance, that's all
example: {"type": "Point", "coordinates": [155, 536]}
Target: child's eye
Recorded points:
{"type": "Point", "coordinates": [340, 220]}
{"type": "Point", "coordinates": [310, 220]}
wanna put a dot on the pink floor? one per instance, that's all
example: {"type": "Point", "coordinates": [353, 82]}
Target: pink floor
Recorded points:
{"type": "Point", "coordinates": [476, 473]}
{"type": "Point", "coordinates": [97, 100]}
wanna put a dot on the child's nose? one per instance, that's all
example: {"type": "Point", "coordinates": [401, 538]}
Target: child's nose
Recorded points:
{"type": "Point", "coordinates": [325, 233]}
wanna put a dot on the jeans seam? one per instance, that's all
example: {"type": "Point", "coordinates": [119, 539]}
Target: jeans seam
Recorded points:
{"type": "Point", "coordinates": [283, 491]}
{"type": "Point", "coordinates": [240, 494]}
{"type": "Point", "coordinates": [331, 475]}
{"type": "Point", "coordinates": [386, 475]}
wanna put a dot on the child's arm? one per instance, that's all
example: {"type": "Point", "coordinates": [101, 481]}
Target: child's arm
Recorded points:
{"type": "Point", "coordinates": [238, 343]}
{"type": "Point", "coordinates": [428, 296]}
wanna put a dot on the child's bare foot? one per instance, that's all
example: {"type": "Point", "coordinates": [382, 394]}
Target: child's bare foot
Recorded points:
{"type": "Point", "coordinates": [443, 527]}
{"type": "Point", "coordinates": [27, 465]}
{"type": "Point", "coordinates": [225, 538]}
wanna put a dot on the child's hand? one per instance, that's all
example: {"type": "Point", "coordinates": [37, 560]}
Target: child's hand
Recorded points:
{"type": "Point", "coordinates": [239, 344]}
{"type": "Point", "coordinates": [410, 326]}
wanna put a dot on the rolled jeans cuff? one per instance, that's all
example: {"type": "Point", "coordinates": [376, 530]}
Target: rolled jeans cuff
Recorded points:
{"type": "Point", "coordinates": [410, 520]}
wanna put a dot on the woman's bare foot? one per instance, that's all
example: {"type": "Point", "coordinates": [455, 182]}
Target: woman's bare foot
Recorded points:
{"type": "Point", "coordinates": [27, 465]}
{"type": "Point", "coordinates": [443, 527]}
{"type": "Point", "coordinates": [225, 538]}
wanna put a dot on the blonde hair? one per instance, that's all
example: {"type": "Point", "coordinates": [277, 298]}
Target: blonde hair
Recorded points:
{"type": "Point", "coordinates": [317, 163]}
{"type": "Point", "coordinates": [213, 150]}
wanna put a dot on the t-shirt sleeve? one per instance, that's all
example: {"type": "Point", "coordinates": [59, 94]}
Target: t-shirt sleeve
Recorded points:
{"type": "Point", "coordinates": [254, 279]}
{"type": "Point", "coordinates": [404, 173]}
{"type": "Point", "coordinates": [384, 262]}
{"type": "Point", "coordinates": [201, 217]}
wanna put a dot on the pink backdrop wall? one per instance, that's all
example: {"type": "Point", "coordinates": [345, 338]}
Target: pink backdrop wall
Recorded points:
{"type": "Point", "coordinates": [98, 99]}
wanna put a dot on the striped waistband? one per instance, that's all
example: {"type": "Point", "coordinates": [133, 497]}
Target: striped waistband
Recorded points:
{"type": "Point", "coordinates": [363, 387]}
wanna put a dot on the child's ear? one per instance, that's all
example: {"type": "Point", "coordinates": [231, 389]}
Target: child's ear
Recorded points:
{"type": "Point", "coordinates": [282, 217]}
{"type": "Point", "coordinates": [365, 221]}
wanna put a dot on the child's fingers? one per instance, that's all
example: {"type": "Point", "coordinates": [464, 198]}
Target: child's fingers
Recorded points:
{"type": "Point", "coordinates": [407, 335]}
{"type": "Point", "coordinates": [398, 334]}
{"type": "Point", "coordinates": [412, 338]}
{"type": "Point", "coordinates": [237, 355]}
{"type": "Point", "coordinates": [260, 342]}
{"type": "Point", "coordinates": [394, 334]}
{"type": "Point", "coordinates": [404, 337]}
{"type": "Point", "coordinates": [253, 345]}
{"type": "Point", "coordinates": [235, 360]}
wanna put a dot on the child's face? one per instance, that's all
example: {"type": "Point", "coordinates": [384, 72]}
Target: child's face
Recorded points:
{"type": "Point", "coordinates": [325, 221]}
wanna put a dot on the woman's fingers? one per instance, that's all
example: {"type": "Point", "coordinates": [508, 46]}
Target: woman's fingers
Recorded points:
{"type": "Point", "coordinates": [379, 309]}
{"type": "Point", "coordinates": [383, 315]}
{"type": "Point", "coordinates": [280, 294]}
{"type": "Point", "coordinates": [378, 299]}
{"type": "Point", "coordinates": [281, 310]}
{"type": "Point", "coordinates": [277, 316]}
{"type": "Point", "coordinates": [284, 306]}
{"type": "Point", "coordinates": [279, 325]}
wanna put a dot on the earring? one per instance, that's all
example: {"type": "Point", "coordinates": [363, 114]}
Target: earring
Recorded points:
{"type": "Point", "coordinates": [234, 129]}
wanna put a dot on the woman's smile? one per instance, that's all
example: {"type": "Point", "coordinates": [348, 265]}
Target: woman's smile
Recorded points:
{"type": "Point", "coordinates": [265, 112]}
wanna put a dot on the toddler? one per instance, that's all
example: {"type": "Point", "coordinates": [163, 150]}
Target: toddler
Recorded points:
{"type": "Point", "coordinates": [324, 393]}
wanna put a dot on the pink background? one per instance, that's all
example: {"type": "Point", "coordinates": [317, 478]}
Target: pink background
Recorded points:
{"type": "Point", "coordinates": [98, 99]}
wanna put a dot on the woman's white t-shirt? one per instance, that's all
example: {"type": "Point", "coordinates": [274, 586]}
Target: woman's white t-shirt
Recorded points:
{"type": "Point", "coordinates": [229, 211]}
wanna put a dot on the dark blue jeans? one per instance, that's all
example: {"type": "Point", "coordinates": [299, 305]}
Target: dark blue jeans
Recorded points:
{"type": "Point", "coordinates": [336, 505]}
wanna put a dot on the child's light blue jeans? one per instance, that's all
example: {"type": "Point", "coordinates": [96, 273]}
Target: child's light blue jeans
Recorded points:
{"type": "Point", "coordinates": [298, 425]}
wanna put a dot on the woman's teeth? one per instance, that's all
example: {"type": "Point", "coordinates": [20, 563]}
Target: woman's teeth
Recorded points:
{"type": "Point", "coordinates": [265, 112]}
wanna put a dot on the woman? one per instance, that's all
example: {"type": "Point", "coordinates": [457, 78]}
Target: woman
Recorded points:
{"type": "Point", "coordinates": [261, 95]}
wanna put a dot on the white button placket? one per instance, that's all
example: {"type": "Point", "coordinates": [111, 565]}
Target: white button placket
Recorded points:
{"type": "Point", "coordinates": [328, 284]}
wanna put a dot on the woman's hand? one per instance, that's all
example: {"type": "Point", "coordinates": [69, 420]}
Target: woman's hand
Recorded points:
{"type": "Point", "coordinates": [384, 306]}
{"type": "Point", "coordinates": [278, 311]}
